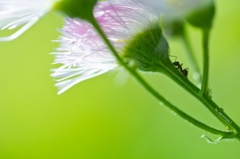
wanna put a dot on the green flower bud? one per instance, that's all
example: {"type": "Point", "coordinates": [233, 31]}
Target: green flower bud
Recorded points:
{"type": "Point", "coordinates": [148, 50]}
{"type": "Point", "coordinates": [173, 27]}
{"type": "Point", "coordinates": [203, 17]}
{"type": "Point", "coordinates": [77, 8]}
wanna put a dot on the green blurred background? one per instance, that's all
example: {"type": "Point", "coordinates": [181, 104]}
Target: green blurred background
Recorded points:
{"type": "Point", "coordinates": [99, 119]}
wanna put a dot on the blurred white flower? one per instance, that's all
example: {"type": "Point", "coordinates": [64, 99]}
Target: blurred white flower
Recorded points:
{"type": "Point", "coordinates": [83, 55]}
{"type": "Point", "coordinates": [173, 8]}
{"type": "Point", "coordinates": [22, 14]}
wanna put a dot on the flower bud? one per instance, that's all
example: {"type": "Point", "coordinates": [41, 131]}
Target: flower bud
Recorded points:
{"type": "Point", "coordinates": [148, 49]}
{"type": "Point", "coordinates": [173, 28]}
{"type": "Point", "coordinates": [203, 16]}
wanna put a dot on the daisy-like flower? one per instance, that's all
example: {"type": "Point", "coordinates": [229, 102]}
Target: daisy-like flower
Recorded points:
{"type": "Point", "coordinates": [21, 14]}
{"type": "Point", "coordinates": [83, 55]}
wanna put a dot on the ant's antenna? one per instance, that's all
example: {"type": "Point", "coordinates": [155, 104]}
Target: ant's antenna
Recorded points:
{"type": "Point", "coordinates": [179, 67]}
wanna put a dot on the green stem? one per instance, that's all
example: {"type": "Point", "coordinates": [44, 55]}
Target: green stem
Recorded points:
{"type": "Point", "coordinates": [156, 94]}
{"type": "Point", "coordinates": [218, 112]}
{"type": "Point", "coordinates": [204, 89]}
{"type": "Point", "coordinates": [193, 62]}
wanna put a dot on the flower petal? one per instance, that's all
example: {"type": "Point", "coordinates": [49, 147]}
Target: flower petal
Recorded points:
{"type": "Point", "coordinates": [21, 13]}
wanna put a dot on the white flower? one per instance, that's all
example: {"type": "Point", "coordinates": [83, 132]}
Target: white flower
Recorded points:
{"type": "Point", "coordinates": [173, 8]}
{"type": "Point", "coordinates": [22, 14]}
{"type": "Point", "coordinates": [83, 55]}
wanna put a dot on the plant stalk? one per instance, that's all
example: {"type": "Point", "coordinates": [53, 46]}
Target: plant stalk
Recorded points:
{"type": "Point", "coordinates": [204, 88]}
{"type": "Point", "coordinates": [218, 112]}
{"type": "Point", "coordinates": [227, 134]}
{"type": "Point", "coordinates": [193, 62]}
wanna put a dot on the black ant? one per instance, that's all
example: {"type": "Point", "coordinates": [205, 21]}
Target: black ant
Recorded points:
{"type": "Point", "coordinates": [179, 67]}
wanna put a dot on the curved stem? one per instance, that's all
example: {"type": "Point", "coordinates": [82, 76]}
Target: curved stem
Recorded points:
{"type": "Point", "coordinates": [218, 112]}
{"type": "Point", "coordinates": [204, 89]}
{"type": "Point", "coordinates": [193, 62]}
{"type": "Point", "coordinates": [182, 114]}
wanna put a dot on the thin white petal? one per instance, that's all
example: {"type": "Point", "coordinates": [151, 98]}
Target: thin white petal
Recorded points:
{"type": "Point", "coordinates": [21, 13]}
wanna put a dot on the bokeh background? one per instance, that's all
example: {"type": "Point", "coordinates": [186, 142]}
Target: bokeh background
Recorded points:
{"type": "Point", "coordinates": [102, 119]}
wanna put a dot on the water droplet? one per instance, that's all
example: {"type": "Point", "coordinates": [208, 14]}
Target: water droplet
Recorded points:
{"type": "Point", "coordinates": [210, 140]}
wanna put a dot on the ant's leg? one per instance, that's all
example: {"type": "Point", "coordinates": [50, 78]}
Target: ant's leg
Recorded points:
{"type": "Point", "coordinates": [185, 72]}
